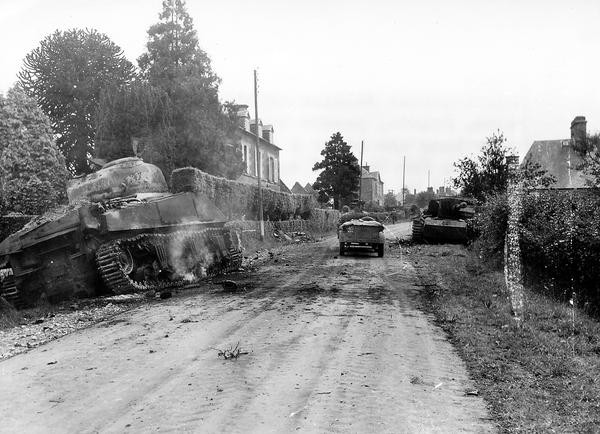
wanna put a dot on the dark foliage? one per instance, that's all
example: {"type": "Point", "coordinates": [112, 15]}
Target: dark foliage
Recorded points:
{"type": "Point", "coordinates": [32, 169]}
{"type": "Point", "coordinates": [340, 174]}
{"type": "Point", "coordinates": [560, 240]}
{"type": "Point", "coordinates": [66, 74]}
{"type": "Point", "coordinates": [190, 127]}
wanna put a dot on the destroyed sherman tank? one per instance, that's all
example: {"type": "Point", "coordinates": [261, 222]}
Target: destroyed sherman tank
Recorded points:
{"type": "Point", "coordinates": [444, 221]}
{"type": "Point", "coordinates": [121, 232]}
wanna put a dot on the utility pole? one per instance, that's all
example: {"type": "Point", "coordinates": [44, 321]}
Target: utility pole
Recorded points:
{"type": "Point", "coordinates": [428, 179]}
{"type": "Point", "coordinates": [258, 168]}
{"type": "Point", "coordinates": [403, 176]}
{"type": "Point", "coordinates": [360, 171]}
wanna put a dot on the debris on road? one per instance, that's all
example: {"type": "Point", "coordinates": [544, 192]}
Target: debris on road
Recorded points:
{"type": "Point", "coordinates": [416, 380]}
{"type": "Point", "coordinates": [29, 328]}
{"type": "Point", "coordinates": [231, 352]}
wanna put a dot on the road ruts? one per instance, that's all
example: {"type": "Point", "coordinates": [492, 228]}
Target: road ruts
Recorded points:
{"type": "Point", "coordinates": [334, 344]}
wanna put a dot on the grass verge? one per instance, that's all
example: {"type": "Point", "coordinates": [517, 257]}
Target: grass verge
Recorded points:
{"type": "Point", "coordinates": [543, 377]}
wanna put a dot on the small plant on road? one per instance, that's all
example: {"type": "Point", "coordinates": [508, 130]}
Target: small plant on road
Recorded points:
{"type": "Point", "coordinates": [231, 352]}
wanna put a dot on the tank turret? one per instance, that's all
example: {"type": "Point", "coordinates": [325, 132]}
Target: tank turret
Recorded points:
{"type": "Point", "coordinates": [119, 178]}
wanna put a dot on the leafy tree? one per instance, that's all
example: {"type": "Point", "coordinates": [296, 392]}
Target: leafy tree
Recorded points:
{"type": "Point", "coordinates": [341, 174]}
{"type": "Point", "coordinates": [488, 174]}
{"type": "Point", "coordinates": [66, 74]}
{"type": "Point", "coordinates": [423, 197]}
{"type": "Point", "coordinates": [139, 113]}
{"type": "Point", "coordinates": [201, 129]}
{"type": "Point", "coordinates": [389, 200]}
{"type": "Point", "coordinates": [32, 169]}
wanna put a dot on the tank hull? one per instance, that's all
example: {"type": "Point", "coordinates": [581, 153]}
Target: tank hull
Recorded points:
{"type": "Point", "coordinates": [56, 259]}
{"type": "Point", "coordinates": [445, 231]}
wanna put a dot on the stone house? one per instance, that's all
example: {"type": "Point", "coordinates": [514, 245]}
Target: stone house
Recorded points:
{"type": "Point", "coordinates": [371, 186]}
{"type": "Point", "coordinates": [268, 152]}
{"type": "Point", "coordinates": [559, 157]}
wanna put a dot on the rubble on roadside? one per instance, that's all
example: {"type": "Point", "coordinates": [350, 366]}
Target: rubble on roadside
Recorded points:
{"type": "Point", "coordinates": [40, 327]}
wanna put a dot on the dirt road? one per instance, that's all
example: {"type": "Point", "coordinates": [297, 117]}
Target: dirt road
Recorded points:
{"type": "Point", "coordinates": [335, 344]}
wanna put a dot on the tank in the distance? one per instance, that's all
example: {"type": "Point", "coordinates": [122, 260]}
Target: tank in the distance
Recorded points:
{"type": "Point", "coordinates": [444, 221]}
{"type": "Point", "coordinates": [122, 231]}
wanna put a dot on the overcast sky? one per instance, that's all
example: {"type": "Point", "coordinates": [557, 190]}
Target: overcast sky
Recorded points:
{"type": "Point", "coordinates": [427, 79]}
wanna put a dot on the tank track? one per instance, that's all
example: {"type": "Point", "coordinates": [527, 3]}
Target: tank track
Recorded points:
{"type": "Point", "coordinates": [417, 229]}
{"type": "Point", "coordinates": [10, 292]}
{"type": "Point", "coordinates": [174, 260]}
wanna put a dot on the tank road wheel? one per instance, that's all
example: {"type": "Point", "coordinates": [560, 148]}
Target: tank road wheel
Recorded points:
{"type": "Point", "coordinates": [417, 230]}
{"type": "Point", "coordinates": [380, 250]}
{"type": "Point", "coordinates": [126, 261]}
{"type": "Point", "coordinates": [342, 249]}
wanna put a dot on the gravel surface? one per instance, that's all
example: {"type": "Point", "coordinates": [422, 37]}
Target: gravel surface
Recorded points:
{"type": "Point", "coordinates": [327, 344]}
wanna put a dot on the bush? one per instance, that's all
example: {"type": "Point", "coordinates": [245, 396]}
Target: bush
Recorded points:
{"type": "Point", "coordinates": [11, 223]}
{"type": "Point", "coordinates": [559, 238]}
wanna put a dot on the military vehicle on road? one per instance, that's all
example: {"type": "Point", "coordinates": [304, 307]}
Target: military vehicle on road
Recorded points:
{"type": "Point", "coordinates": [444, 221]}
{"type": "Point", "coordinates": [360, 234]}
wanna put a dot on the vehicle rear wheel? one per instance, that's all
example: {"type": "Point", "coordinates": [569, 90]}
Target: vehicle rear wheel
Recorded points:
{"type": "Point", "coordinates": [380, 250]}
{"type": "Point", "coordinates": [342, 249]}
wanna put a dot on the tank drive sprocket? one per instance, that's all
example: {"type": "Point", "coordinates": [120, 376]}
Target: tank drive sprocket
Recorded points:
{"type": "Point", "coordinates": [158, 262]}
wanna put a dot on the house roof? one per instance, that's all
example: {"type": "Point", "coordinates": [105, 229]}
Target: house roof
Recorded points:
{"type": "Point", "coordinates": [309, 188]}
{"type": "Point", "coordinates": [374, 175]}
{"type": "Point", "coordinates": [298, 189]}
{"type": "Point", "coordinates": [284, 188]}
{"type": "Point", "coordinates": [262, 141]}
{"type": "Point", "coordinates": [559, 159]}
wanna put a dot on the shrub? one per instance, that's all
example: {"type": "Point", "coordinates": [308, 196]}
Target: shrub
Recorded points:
{"type": "Point", "coordinates": [559, 238]}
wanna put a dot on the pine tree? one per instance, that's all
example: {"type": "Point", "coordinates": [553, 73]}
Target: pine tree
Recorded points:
{"type": "Point", "coordinates": [201, 129]}
{"type": "Point", "coordinates": [32, 169]}
{"type": "Point", "coordinates": [173, 51]}
{"type": "Point", "coordinates": [341, 174]}
{"type": "Point", "coordinates": [65, 74]}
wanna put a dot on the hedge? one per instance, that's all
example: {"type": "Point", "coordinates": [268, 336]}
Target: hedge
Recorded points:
{"type": "Point", "coordinates": [11, 223]}
{"type": "Point", "coordinates": [559, 238]}
{"type": "Point", "coordinates": [240, 201]}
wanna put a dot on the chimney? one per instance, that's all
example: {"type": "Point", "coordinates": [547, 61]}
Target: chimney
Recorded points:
{"type": "Point", "coordinates": [243, 117]}
{"type": "Point", "coordinates": [578, 129]}
{"type": "Point", "coordinates": [254, 129]}
{"type": "Point", "coordinates": [367, 168]}
{"type": "Point", "coordinates": [267, 133]}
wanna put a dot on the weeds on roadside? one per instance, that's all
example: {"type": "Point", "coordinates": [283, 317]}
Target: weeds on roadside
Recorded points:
{"type": "Point", "coordinates": [541, 377]}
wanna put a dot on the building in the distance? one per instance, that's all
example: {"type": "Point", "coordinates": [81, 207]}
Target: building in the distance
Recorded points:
{"type": "Point", "coordinates": [268, 153]}
{"type": "Point", "coordinates": [445, 191]}
{"type": "Point", "coordinates": [284, 188]}
{"type": "Point", "coordinates": [560, 158]}
{"type": "Point", "coordinates": [298, 189]}
{"type": "Point", "coordinates": [371, 189]}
